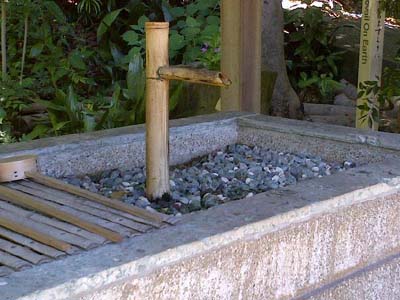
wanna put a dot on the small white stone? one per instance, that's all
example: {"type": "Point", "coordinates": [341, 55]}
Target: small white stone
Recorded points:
{"type": "Point", "coordinates": [249, 195]}
{"type": "Point", "coordinates": [2, 283]}
{"type": "Point", "coordinates": [248, 180]}
{"type": "Point", "coordinates": [224, 179]}
{"type": "Point", "coordinates": [315, 169]}
{"type": "Point", "coordinates": [251, 173]}
{"type": "Point", "coordinates": [129, 189]}
{"type": "Point", "coordinates": [172, 183]}
{"type": "Point", "coordinates": [275, 178]}
{"type": "Point", "coordinates": [126, 184]}
{"type": "Point", "coordinates": [149, 208]}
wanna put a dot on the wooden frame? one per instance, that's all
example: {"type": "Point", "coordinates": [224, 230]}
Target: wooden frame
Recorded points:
{"type": "Point", "coordinates": [241, 22]}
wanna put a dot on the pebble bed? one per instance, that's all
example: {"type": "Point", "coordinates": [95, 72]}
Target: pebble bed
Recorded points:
{"type": "Point", "coordinates": [237, 172]}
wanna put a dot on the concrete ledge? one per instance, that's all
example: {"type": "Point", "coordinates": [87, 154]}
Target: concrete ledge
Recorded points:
{"type": "Point", "coordinates": [335, 143]}
{"type": "Point", "coordinates": [380, 281]}
{"type": "Point", "coordinates": [124, 148]}
{"type": "Point", "coordinates": [301, 241]}
{"type": "Point", "coordinates": [276, 246]}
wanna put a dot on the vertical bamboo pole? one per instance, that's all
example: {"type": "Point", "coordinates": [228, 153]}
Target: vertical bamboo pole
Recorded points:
{"type": "Point", "coordinates": [157, 111]}
{"type": "Point", "coordinates": [371, 51]}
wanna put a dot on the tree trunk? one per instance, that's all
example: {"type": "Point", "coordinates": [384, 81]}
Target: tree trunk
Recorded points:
{"type": "Point", "coordinates": [285, 102]}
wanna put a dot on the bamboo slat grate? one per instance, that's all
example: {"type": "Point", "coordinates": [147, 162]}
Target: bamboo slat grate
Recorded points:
{"type": "Point", "coordinates": [43, 219]}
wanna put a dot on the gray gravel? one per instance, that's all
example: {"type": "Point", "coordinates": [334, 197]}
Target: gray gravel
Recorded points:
{"type": "Point", "coordinates": [237, 172]}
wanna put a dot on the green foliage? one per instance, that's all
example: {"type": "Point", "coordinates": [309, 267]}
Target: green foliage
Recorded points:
{"type": "Point", "coordinates": [392, 8]}
{"type": "Point", "coordinates": [311, 56]}
{"type": "Point", "coordinates": [380, 95]}
{"type": "Point", "coordinates": [85, 62]}
{"type": "Point", "coordinates": [325, 84]}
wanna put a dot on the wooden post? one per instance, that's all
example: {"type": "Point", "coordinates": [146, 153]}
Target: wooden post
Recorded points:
{"type": "Point", "coordinates": [157, 111]}
{"type": "Point", "coordinates": [371, 52]}
{"type": "Point", "coordinates": [4, 39]}
{"type": "Point", "coordinates": [241, 54]}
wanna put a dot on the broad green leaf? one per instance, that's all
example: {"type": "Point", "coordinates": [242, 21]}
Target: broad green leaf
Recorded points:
{"type": "Point", "coordinates": [55, 11]}
{"type": "Point", "coordinates": [191, 32]}
{"type": "Point", "coordinates": [36, 49]}
{"type": "Point", "coordinates": [131, 37]}
{"type": "Point", "coordinates": [142, 21]}
{"type": "Point", "coordinates": [167, 14]}
{"type": "Point", "coordinates": [213, 20]}
{"type": "Point", "coordinates": [89, 122]}
{"type": "Point", "coordinates": [136, 79]}
{"type": "Point", "coordinates": [106, 23]}
{"type": "Point", "coordinates": [72, 104]}
{"type": "Point", "coordinates": [177, 12]}
{"type": "Point", "coordinates": [176, 95]}
{"type": "Point", "coordinates": [3, 115]}
{"type": "Point", "coordinates": [39, 131]}
{"type": "Point", "coordinates": [77, 61]}
{"type": "Point", "coordinates": [176, 41]}
{"type": "Point", "coordinates": [192, 22]}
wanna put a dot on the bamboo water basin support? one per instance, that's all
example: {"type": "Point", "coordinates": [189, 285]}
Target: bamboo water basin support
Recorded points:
{"type": "Point", "coordinates": [158, 75]}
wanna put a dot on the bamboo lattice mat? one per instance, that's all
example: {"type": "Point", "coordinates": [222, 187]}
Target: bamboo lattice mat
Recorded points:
{"type": "Point", "coordinates": [43, 219]}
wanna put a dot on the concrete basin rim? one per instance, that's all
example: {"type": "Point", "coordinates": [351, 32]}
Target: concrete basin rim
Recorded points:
{"type": "Point", "coordinates": [149, 263]}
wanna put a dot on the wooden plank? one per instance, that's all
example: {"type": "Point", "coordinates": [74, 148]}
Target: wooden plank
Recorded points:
{"type": "Point", "coordinates": [42, 237]}
{"type": "Point", "coordinates": [241, 54]}
{"type": "Point", "coordinates": [73, 203]}
{"type": "Point", "coordinates": [33, 203]}
{"type": "Point", "coordinates": [25, 241]}
{"type": "Point", "coordinates": [56, 223]}
{"type": "Point", "coordinates": [58, 184]}
{"type": "Point", "coordinates": [22, 252]}
{"type": "Point", "coordinates": [5, 271]}
{"type": "Point", "coordinates": [250, 66]}
{"type": "Point", "coordinates": [15, 213]}
{"type": "Point", "coordinates": [13, 262]}
{"type": "Point", "coordinates": [87, 217]}
{"type": "Point", "coordinates": [86, 202]}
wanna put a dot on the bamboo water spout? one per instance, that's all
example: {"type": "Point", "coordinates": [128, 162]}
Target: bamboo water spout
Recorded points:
{"type": "Point", "coordinates": [158, 75]}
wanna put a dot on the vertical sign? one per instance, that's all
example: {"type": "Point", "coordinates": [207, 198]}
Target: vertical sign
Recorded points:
{"type": "Point", "coordinates": [371, 51]}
